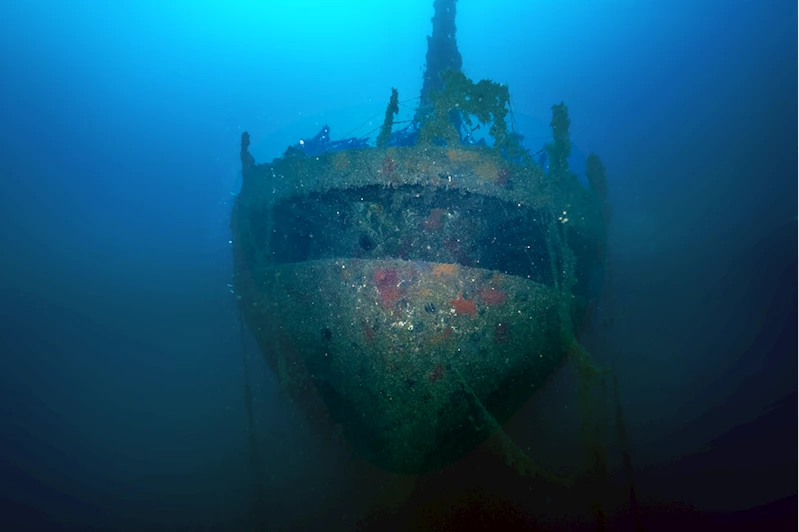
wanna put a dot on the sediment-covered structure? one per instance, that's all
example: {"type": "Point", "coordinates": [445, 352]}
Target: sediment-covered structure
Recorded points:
{"type": "Point", "coordinates": [415, 290]}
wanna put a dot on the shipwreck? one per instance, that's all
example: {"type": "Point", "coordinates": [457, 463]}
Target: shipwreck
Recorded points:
{"type": "Point", "coordinates": [413, 288]}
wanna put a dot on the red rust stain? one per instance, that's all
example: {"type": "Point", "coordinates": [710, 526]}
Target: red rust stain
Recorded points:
{"type": "Point", "coordinates": [386, 282]}
{"type": "Point", "coordinates": [389, 295]}
{"type": "Point", "coordinates": [463, 306]}
{"type": "Point", "coordinates": [492, 296]}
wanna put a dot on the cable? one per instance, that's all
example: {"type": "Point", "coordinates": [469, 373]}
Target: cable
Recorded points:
{"type": "Point", "coordinates": [255, 462]}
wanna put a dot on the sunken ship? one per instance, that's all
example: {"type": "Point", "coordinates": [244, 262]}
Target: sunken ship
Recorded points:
{"type": "Point", "coordinates": [414, 288]}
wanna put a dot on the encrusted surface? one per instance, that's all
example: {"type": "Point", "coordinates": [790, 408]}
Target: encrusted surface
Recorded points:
{"type": "Point", "coordinates": [393, 346]}
{"type": "Point", "coordinates": [475, 170]}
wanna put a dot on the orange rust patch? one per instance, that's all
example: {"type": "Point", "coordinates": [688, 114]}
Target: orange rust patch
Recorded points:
{"type": "Point", "coordinates": [487, 170]}
{"type": "Point", "coordinates": [495, 279]}
{"type": "Point", "coordinates": [461, 156]}
{"type": "Point", "coordinates": [444, 269]}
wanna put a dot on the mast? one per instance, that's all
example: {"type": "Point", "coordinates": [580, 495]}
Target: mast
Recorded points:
{"type": "Point", "coordinates": [442, 49]}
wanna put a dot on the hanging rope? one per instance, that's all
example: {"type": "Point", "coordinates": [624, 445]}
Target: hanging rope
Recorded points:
{"type": "Point", "coordinates": [514, 457]}
{"type": "Point", "coordinates": [255, 462]}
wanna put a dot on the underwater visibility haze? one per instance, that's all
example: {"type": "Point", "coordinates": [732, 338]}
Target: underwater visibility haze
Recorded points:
{"type": "Point", "coordinates": [430, 265]}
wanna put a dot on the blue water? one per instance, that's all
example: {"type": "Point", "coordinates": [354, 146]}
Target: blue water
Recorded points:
{"type": "Point", "coordinates": [121, 376]}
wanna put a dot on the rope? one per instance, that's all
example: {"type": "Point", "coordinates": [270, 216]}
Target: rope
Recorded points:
{"type": "Point", "coordinates": [255, 463]}
{"type": "Point", "coordinates": [621, 432]}
{"type": "Point", "coordinates": [348, 135]}
{"type": "Point", "coordinates": [513, 455]}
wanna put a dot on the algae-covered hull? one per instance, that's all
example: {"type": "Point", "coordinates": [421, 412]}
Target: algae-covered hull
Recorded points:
{"type": "Point", "coordinates": [414, 296]}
